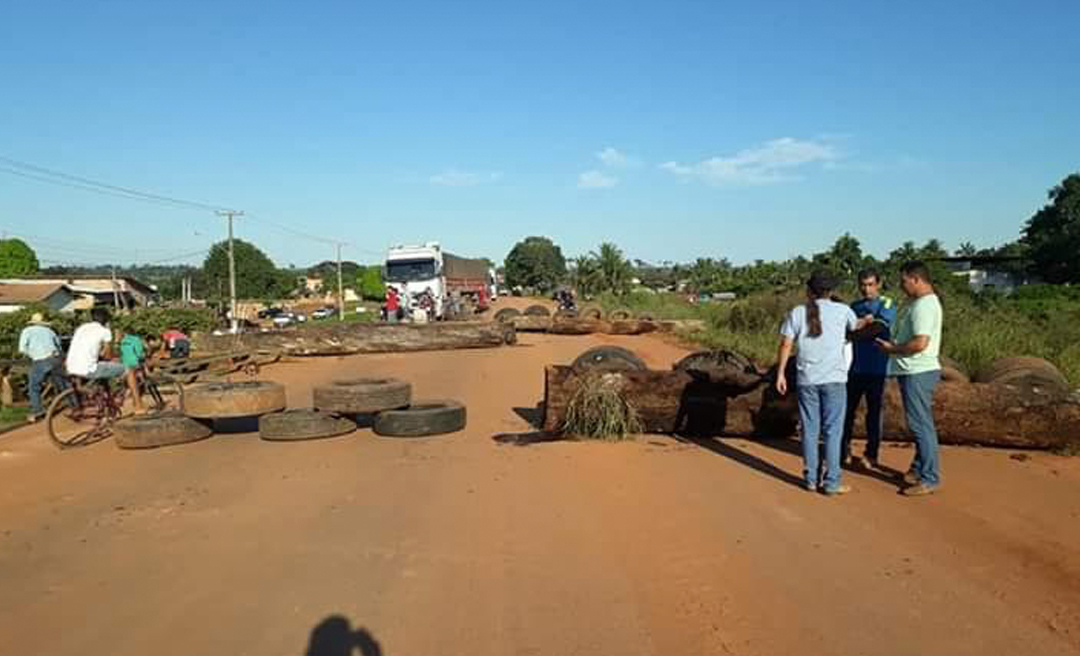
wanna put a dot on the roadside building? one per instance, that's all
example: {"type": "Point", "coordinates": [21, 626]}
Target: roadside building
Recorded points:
{"type": "Point", "coordinates": [57, 297]}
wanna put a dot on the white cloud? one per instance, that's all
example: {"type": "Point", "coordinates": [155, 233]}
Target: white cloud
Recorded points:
{"type": "Point", "coordinates": [774, 161]}
{"type": "Point", "coordinates": [457, 178]}
{"type": "Point", "coordinates": [596, 180]}
{"type": "Point", "coordinates": [612, 157]}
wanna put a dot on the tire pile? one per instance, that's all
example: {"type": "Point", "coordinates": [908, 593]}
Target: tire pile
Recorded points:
{"type": "Point", "coordinates": [339, 408]}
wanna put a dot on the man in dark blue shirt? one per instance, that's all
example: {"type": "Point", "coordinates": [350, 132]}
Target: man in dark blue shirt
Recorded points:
{"type": "Point", "coordinates": [870, 365]}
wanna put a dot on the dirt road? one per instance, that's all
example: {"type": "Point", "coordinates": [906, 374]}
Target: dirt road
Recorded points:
{"type": "Point", "coordinates": [486, 542]}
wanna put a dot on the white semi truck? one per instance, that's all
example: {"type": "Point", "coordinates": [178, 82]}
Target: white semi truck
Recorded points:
{"type": "Point", "coordinates": [425, 268]}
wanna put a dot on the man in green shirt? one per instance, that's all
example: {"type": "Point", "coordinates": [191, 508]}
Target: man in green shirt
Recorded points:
{"type": "Point", "coordinates": [914, 360]}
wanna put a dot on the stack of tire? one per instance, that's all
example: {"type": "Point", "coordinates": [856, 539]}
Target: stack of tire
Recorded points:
{"type": "Point", "coordinates": [388, 404]}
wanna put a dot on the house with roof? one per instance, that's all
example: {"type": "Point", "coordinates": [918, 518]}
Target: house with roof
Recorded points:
{"type": "Point", "coordinates": [94, 291]}
{"type": "Point", "coordinates": [57, 297]}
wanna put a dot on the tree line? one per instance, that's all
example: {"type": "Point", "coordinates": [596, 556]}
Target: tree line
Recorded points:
{"type": "Point", "coordinates": [1046, 250]}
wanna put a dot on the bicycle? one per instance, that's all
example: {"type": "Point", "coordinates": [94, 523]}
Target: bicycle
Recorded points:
{"type": "Point", "coordinates": [84, 413]}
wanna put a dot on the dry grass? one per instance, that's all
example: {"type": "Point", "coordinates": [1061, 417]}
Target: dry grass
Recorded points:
{"type": "Point", "coordinates": [598, 412]}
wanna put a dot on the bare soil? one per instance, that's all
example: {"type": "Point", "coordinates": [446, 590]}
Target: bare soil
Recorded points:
{"type": "Point", "coordinates": [494, 541]}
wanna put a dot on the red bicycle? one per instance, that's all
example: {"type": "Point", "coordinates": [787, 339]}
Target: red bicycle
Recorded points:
{"type": "Point", "coordinates": [85, 412]}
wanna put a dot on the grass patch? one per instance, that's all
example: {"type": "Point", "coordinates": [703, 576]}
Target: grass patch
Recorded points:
{"type": "Point", "coordinates": [598, 412]}
{"type": "Point", "coordinates": [978, 329]}
{"type": "Point", "coordinates": [12, 415]}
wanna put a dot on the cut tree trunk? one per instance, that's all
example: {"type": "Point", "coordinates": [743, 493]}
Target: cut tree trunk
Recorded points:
{"type": "Point", "coordinates": [666, 401]}
{"type": "Point", "coordinates": [345, 339]}
{"type": "Point", "coordinates": [987, 414]}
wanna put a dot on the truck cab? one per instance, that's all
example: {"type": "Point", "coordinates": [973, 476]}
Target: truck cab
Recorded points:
{"type": "Point", "coordinates": [414, 270]}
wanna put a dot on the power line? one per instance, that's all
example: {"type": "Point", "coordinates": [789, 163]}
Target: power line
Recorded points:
{"type": "Point", "coordinates": [55, 177]}
{"type": "Point", "coordinates": [80, 180]}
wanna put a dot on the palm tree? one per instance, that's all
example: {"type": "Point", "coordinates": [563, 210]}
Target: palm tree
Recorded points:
{"type": "Point", "coordinates": [615, 272]}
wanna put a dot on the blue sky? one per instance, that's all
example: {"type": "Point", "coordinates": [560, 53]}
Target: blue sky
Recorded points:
{"type": "Point", "coordinates": [676, 129]}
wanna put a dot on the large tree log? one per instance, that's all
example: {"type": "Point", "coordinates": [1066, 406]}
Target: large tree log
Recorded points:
{"type": "Point", "coordinates": [987, 414]}
{"type": "Point", "coordinates": [345, 338]}
{"type": "Point", "coordinates": [666, 401]}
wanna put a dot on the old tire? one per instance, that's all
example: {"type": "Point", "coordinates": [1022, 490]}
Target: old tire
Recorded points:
{"type": "Point", "coordinates": [231, 400]}
{"type": "Point", "coordinates": [506, 315]}
{"type": "Point", "coordinates": [566, 314]}
{"type": "Point", "coordinates": [154, 430]}
{"type": "Point", "coordinates": [592, 313]}
{"type": "Point", "coordinates": [609, 358]}
{"type": "Point", "coordinates": [619, 315]}
{"type": "Point", "coordinates": [363, 395]}
{"type": "Point", "coordinates": [422, 419]}
{"type": "Point", "coordinates": [537, 311]}
{"type": "Point", "coordinates": [1026, 372]}
{"type": "Point", "coordinates": [645, 316]}
{"type": "Point", "coordinates": [303, 424]}
{"type": "Point", "coordinates": [733, 371]}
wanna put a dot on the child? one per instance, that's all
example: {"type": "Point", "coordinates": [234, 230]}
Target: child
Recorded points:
{"type": "Point", "coordinates": [132, 356]}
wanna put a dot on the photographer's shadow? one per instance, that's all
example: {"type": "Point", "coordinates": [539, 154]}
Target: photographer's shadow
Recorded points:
{"type": "Point", "coordinates": [335, 636]}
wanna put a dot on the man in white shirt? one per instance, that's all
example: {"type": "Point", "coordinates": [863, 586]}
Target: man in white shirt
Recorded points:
{"type": "Point", "coordinates": [91, 348]}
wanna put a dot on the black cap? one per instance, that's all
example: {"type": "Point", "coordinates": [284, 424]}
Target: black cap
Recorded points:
{"type": "Point", "coordinates": [821, 283]}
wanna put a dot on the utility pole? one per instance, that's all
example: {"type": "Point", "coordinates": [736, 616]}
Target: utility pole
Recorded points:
{"type": "Point", "coordinates": [232, 268]}
{"type": "Point", "coordinates": [340, 287]}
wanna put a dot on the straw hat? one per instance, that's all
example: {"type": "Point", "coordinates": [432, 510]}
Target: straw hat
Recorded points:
{"type": "Point", "coordinates": [39, 319]}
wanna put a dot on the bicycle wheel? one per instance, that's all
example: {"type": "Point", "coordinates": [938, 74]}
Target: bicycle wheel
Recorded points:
{"type": "Point", "coordinates": [74, 419]}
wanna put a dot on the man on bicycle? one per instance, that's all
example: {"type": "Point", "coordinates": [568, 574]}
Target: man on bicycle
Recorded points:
{"type": "Point", "coordinates": [91, 348]}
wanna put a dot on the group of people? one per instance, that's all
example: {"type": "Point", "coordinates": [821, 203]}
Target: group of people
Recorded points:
{"type": "Point", "coordinates": [845, 354]}
{"type": "Point", "coordinates": [90, 355]}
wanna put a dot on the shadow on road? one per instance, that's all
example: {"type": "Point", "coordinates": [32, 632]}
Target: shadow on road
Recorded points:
{"type": "Point", "coordinates": [722, 448]}
{"type": "Point", "coordinates": [535, 417]}
{"type": "Point", "coordinates": [335, 636]}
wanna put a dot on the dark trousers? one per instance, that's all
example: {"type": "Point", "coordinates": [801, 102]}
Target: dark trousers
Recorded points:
{"type": "Point", "coordinates": [873, 388]}
{"type": "Point", "coordinates": [47, 369]}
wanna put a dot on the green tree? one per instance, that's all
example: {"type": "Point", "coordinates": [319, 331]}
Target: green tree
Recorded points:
{"type": "Point", "coordinates": [535, 262]}
{"type": "Point", "coordinates": [17, 258]}
{"type": "Point", "coordinates": [585, 276]}
{"type": "Point", "coordinates": [327, 272]}
{"type": "Point", "coordinates": [1052, 234]}
{"type": "Point", "coordinates": [615, 271]}
{"type": "Point", "coordinates": [967, 249]}
{"type": "Point", "coordinates": [846, 257]}
{"type": "Point", "coordinates": [256, 275]}
{"type": "Point", "coordinates": [370, 284]}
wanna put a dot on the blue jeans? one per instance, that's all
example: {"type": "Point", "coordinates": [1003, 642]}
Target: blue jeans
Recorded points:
{"type": "Point", "coordinates": [917, 392]}
{"type": "Point", "coordinates": [821, 411]}
{"type": "Point", "coordinates": [106, 370]}
{"type": "Point", "coordinates": [40, 371]}
{"type": "Point", "coordinates": [873, 388]}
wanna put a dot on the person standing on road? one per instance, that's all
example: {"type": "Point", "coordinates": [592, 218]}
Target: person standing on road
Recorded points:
{"type": "Point", "coordinates": [914, 360]}
{"type": "Point", "coordinates": [39, 342]}
{"type": "Point", "coordinates": [393, 304]}
{"type": "Point", "coordinates": [91, 348]}
{"type": "Point", "coordinates": [819, 328]}
{"type": "Point", "coordinates": [870, 366]}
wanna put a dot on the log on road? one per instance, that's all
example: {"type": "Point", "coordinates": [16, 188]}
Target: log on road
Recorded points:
{"type": "Point", "coordinates": [986, 414]}
{"type": "Point", "coordinates": [666, 401]}
{"type": "Point", "coordinates": [346, 339]}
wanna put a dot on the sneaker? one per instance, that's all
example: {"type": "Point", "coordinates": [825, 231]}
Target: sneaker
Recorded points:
{"type": "Point", "coordinates": [838, 490]}
{"type": "Point", "coordinates": [919, 490]}
{"type": "Point", "coordinates": [911, 478]}
{"type": "Point", "coordinates": [34, 418]}
{"type": "Point", "coordinates": [871, 463]}
{"type": "Point", "coordinates": [811, 487]}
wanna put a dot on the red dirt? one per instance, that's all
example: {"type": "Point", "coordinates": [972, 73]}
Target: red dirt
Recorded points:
{"type": "Point", "coordinates": [471, 544]}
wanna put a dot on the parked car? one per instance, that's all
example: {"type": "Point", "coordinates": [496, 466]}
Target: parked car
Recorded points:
{"type": "Point", "coordinates": [324, 313]}
{"type": "Point", "coordinates": [270, 313]}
